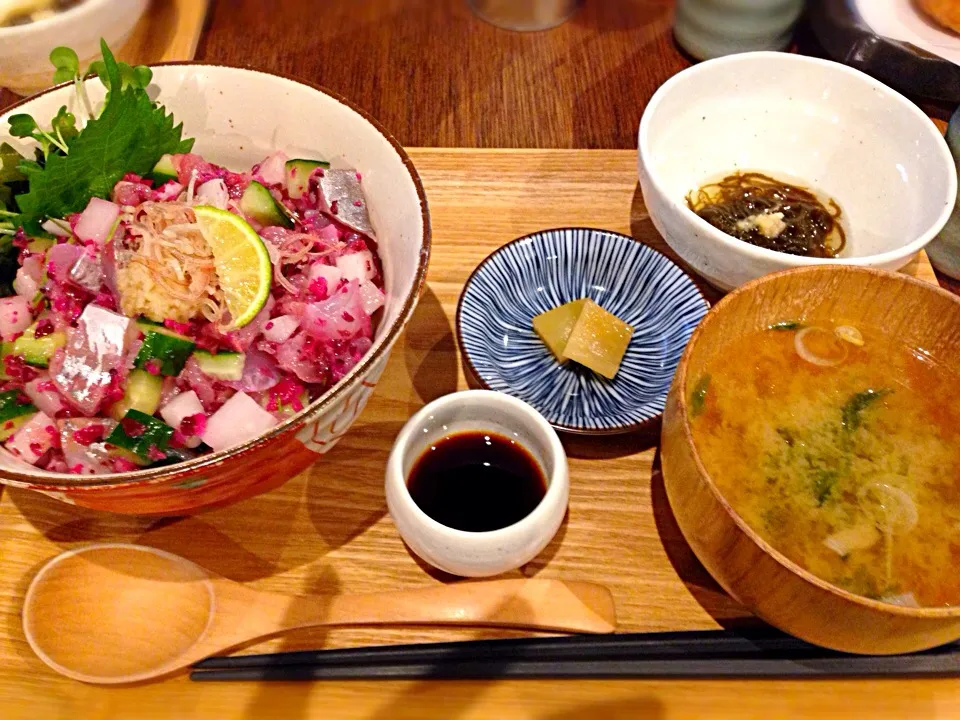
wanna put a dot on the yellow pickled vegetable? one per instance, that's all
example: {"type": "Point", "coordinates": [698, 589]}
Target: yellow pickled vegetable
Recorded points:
{"type": "Point", "coordinates": [598, 340]}
{"type": "Point", "coordinates": [554, 326]}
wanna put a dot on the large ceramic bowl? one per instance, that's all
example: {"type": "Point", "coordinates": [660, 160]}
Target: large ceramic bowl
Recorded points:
{"type": "Point", "coordinates": [237, 117]}
{"type": "Point", "coordinates": [819, 123]}
{"type": "Point", "coordinates": [25, 49]}
{"type": "Point", "coordinates": [751, 570]}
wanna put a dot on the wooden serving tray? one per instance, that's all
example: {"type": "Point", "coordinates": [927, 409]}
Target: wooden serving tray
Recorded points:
{"type": "Point", "coordinates": [328, 531]}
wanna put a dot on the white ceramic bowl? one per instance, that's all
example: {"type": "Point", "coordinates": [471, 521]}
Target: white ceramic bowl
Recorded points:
{"type": "Point", "coordinates": [478, 554]}
{"type": "Point", "coordinates": [238, 116]}
{"type": "Point", "coordinates": [25, 49]}
{"type": "Point", "coordinates": [823, 124]}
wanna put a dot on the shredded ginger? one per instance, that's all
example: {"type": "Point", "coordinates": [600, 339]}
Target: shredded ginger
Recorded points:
{"type": "Point", "coordinates": [165, 267]}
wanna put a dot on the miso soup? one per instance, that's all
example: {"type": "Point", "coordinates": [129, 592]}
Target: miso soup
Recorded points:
{"type": "Point", "coordinates": [840, 446]}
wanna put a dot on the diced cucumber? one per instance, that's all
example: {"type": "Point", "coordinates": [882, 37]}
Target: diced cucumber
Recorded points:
{"type": "Point", "coordinates": [6, 348]}
{"type": "Point", "coordinates": [174, 456]}
{"type": "Point", "coordinates": [163, 171]}
{"type": "Point", "coordinates": [258, 203]}
{"type": "Point", "coordinates": [167, 349]}
{"type": "Point", "coordinates": [38, 351]}
{"type": "Point", "coordinates": [146, 324]}
{"type": "Point", "coordinates": [141, 393]}
{"type": "Point", "coordinates": [298, 173]}
{"type": "Point", "coordinates": [13, 413]}
{"type": "Point", "coordinates": [40, 245]}
{"type": "Point", "coordinates": [222, 366]}
{"type": "Point", "coordinates": [151, 434]}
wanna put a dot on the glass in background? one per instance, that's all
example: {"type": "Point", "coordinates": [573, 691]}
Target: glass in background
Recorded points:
{"type": "Point", "coordinates": [525, 15]}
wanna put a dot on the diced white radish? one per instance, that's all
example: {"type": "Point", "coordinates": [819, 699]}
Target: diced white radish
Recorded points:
{"type": "Point", "coordinates": [240, 419]}
{"type": "Point", "coordinates": [60, 228]}
{"type": "Point", "coordinates": [44, 395]}
{"type": "Point", "coordinates": [31, 441]}
{"type": "Point", "coordinates": [97, 220]}
{"type": "Point", "coordinates": [24, 285]}
{"type": "Point", "coordinates": [213, 192]}
{"type": "Point", "coordinates": [357, 266]}
{"type": "Point", "coordinates": [27, 281]}
{"type": "Point", "coordinates": [181, 406]}
{"type": "Point", "coordinates": [15, 316]}
{"type": "Point", "coordinates": [331, 273]}
{"type": "Point", "coordinates": [371, 297]}
{"type": "Point", "coordinates": [170, 190]}
{"type": "Point", "coordinates": [279, 329]}
{"type": "Point", "coordinates": [184, 405]}
{"type": "Point", "coordinates": [272, 168]}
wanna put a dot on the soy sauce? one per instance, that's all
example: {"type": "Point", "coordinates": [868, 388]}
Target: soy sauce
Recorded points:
{"type": "Point", "coordinates": [477, 481]}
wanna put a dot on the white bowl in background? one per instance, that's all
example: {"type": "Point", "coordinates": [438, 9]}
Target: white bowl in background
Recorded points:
{"type": "Point", "coordinates": [478, 554]}
{"type": "Point", "coordinates": [25, 49]}
{"type": "Point", "coordinates": [828, 126]}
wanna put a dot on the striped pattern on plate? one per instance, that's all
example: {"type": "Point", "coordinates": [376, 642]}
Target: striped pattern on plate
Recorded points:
{"type": "Point", "coordinates": [538, 272]}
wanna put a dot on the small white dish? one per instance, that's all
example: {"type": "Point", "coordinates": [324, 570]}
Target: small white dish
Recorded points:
{"type": "Point", "coordinates": [25, 49]}
{"type": "Point", "coordinates": [477, 554]}
{"type": "Point", "coordinates": [819, 123]}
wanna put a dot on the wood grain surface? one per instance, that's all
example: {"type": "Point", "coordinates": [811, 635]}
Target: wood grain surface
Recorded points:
{"type": "Point", "coordinates": [436, 75]}
{"type": "Point", "coordinates": [327, 530]}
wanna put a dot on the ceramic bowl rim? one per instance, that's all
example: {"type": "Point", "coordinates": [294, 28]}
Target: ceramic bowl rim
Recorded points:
{"type": "Point", "coordinates": [744, 527]}
{"type": "Point", "coordinates": [52, 481]}
{"type": "Point", "coordinates": [569, 429]}
{"type": "Point", "coordinates": [759, 253]}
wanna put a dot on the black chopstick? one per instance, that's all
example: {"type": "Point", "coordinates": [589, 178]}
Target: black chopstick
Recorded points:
{"type": "Point", "coordinates": [754, 653]}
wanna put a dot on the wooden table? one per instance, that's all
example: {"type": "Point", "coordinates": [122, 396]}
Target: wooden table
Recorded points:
{"type": "Point", "coordinates": [327, 530]}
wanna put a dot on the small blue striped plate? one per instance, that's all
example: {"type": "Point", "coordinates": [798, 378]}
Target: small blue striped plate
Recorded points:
{"type": "Point", "coordinates": [538, 272]}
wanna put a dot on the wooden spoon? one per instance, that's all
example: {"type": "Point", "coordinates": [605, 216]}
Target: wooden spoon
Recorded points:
{"type": "Point", "coordinates": [117, 613]}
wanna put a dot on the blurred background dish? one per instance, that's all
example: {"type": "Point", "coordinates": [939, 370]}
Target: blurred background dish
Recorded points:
{"type": "Point", "coordinates": [901, 42]}
{"type": "Point", "coordinates": [944, 251]}
{"type": "Point", "coordinates": [525, 15]}
{"type": "Point", "coordinates": [25, 48]}
{"type": "Point", "coordinates": [809, 121]}
{"type": "Point", "coordinates": [538, 272]}
{"type": "Point", "coordinates": [709, 29]}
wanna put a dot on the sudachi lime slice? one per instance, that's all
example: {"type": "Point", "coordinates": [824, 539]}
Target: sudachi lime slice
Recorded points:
{"type": "Point", "coordinates": [241, 260]}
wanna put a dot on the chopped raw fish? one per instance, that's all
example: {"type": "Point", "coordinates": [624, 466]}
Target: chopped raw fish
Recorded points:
{"type": "Point", "coordinates": [44, 394]}
{"type": "Point", "coordinates": [83, 447]}
{"type": "Point", "coordinates": [271, 170]}
{"type": "Point", "coordinates": [87, 273]}
{"type": "Point", "coordinates": [342, 197]}
{"type": "Point", "coordinates": [340, 317]}
{"type": "Point", "coordinates": [93, 355]}
{"type": "Point", "coordinates": [126, 297]}
{"type": "Point", "coordinates": [31, 442]}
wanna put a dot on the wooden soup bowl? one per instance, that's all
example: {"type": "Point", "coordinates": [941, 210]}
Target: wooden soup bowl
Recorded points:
{"type": "Point", "coordinates": [749, 569]}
